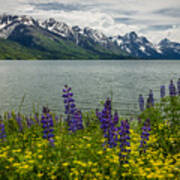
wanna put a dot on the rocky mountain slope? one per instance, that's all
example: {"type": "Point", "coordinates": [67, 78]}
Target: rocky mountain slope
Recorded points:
{"type": "Point", "coordinates": [51, 39]}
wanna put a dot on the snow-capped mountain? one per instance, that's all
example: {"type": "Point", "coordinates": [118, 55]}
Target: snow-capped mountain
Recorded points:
{"type": "Point", "coordinates": [90, 39]}
{"type": "Point", "coordinates": [136, 46]}
{"type": "Point", "coordinates": [97, 36]}
{"type": "Point", "coordinates": [59, 28]}
{"type": "Point", "coordinates": [169, 49]}
{"type": "Point", "coordinates": [8, 23]}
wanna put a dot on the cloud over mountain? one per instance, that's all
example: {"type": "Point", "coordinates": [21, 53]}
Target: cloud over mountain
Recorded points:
{"type": "Point", "coordinates": [154, 19]}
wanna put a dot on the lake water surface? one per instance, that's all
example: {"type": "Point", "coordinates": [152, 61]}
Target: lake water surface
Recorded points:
{"type": "Point", "coordinates": [92, 81]}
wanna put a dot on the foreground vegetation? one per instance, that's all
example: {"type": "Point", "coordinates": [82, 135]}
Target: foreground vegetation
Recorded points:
{"type": "Point", "coordinates": [46, 147]}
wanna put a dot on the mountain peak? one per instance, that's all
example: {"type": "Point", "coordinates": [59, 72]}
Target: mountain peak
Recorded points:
{"type": "Point", "coordinates": [131, 35]}
{"type": "Point", "coordinates": [164, 41]}
{"type": "Point", "coordinates": [51, 21]}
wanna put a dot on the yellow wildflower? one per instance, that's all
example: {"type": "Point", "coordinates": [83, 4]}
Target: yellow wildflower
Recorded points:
{"type": "Point", "coordinates": [100, 152]}
{"type": "Point", "coordinates": [40, 156]}
{"type": "Point", "coordinates": [88, 145]}
{"type": "Point", "coordinates": [53, 177]}
{"type": "Point", "coordinates": [16, 164]}
{"type": "Point", "coordinates": [11, 159]}
{"type": "Point", "coordinates": [40, 175]}
{"type": "Point", "coordinates": [65, 164]}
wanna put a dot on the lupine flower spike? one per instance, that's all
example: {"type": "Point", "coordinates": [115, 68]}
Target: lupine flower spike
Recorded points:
{"type": "Point", "coordinates": [108, 124]}
{"type": "Point", "coordinates": [162, 91]}
{"type": "Point", "coordinates": [47, 125]}
{"type": "Point", "coordinates": [106, 115]}
{"type": "Point", "coordinates": [76, 121]}
{"type": "Point", "coordinates": [124, 143]}
{"type": "Point", "coordinates": [78, 118]}
{"type": "Point", "coordinates": [145, 136]}
{"type": "Point", "coordinates": [2, 130]}
{"type": "Point", "coordinates": [69, 104]}
{"type": "Point", "coordinates": [113, 131]}
{"type": "Point", "coordinates": [116, 118]}
{"type": "Point", "coordinates": [172, 89]}
{"type": "Point", "coordinates": [150, 100]}
{"type": "Point", "coordinates": [141, 102]}
{"type": "Point", "coordinates": [74, 116]}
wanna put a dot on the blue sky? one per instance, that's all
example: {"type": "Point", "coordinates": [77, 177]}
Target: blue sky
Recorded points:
{"type": "Point", "coordinates": [155, 19]}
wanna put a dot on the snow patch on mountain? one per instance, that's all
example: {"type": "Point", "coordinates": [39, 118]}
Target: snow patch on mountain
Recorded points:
{"type": "Point", "coordinates": [59, 28]}
{"type": "Point", "coordinates": [158, 48]}
{"type": "Point", "coordinates": [96, 36]}
{"type": "Point", "coordinates": [142, 48]}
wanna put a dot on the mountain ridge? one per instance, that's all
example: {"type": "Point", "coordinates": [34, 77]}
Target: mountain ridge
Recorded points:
{"type": "Point", "coordinates": [54, 39]}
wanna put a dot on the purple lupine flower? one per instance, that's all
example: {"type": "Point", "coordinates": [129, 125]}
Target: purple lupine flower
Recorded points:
{"type": "Point", "coordinates": [106, 115]}
{"type": "Point", "coordinates": [19, 121]}
{"type": "Point", "coordinates": [70, 106]}
{"type": "Point", "coordinates": [79, 121]}
{"type": "Point", "coordinates": [172, 89]}
{"type": "Point", "coordinates": [124, 143]}
{"type": "Point", "coordinates": [108, 124]}
{"type": "Point", "coordinates": [75, 122]}
{"type": "Point", "coordinates": [145, 135]}
{"type": "Point", "coordinates": [178, 86]}
{"type": "Point", "coordinates": [2, 130]}
{"type": "Point", "coordinates": [162, 91]}
{"type": "Point", "coordinates": [47, 125]}
{"type": "Point", "coordinates": [150, 100]}
{"type": "Point", "coordinates": [74, 116]}
{"type": "Point", "coordinates": [113, 130]}
{"type": "Point", "coordinates": [116, 118]}
{"type": "Point", "coordinates": [141, 102]}
{"type": "Point", "coordinates": [112, 135]}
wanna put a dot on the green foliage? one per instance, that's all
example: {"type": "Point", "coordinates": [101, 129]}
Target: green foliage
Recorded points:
{"type": "Point", "coordinates": [26, 155]}
{"type": "Point", "coordinates": [36, 43]}
{"type": "Point", "coordinates": [11, 50]}
{"type": "Point", "coordinates": [166, 112]}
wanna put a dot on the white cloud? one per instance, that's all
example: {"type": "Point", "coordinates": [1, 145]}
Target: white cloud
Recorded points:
{"type": "Point", "coordinates": [133, 15]}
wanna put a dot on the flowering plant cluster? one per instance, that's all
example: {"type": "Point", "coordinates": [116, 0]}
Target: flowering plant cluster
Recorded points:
{"type": "Point", "coordinates": [173, 91]}
{"type": "Point", "coordinates": [150, 99]}
{"type": "Point", "coordinates": [24, 153]}
{"type": "Point", "coordinates": [2, 130]}
{"type": "Point", "coordinates": [162, 91]}
{"type": "Point", "coordinates": [108, 124]}
{"type": "Point", "coordinates": [145, 135]}
{"type": "Point", "coordinates": [47, 125]}
{"type": "Point", "coordinates": [74, 116]}
{"type": "Point", "coordinates": [124, 140]}
{"type": "Point", "coordinates": [141, 102]}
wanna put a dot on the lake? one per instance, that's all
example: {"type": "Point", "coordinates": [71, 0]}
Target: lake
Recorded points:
{"type": "Point", "coordinates": [41, 83]}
